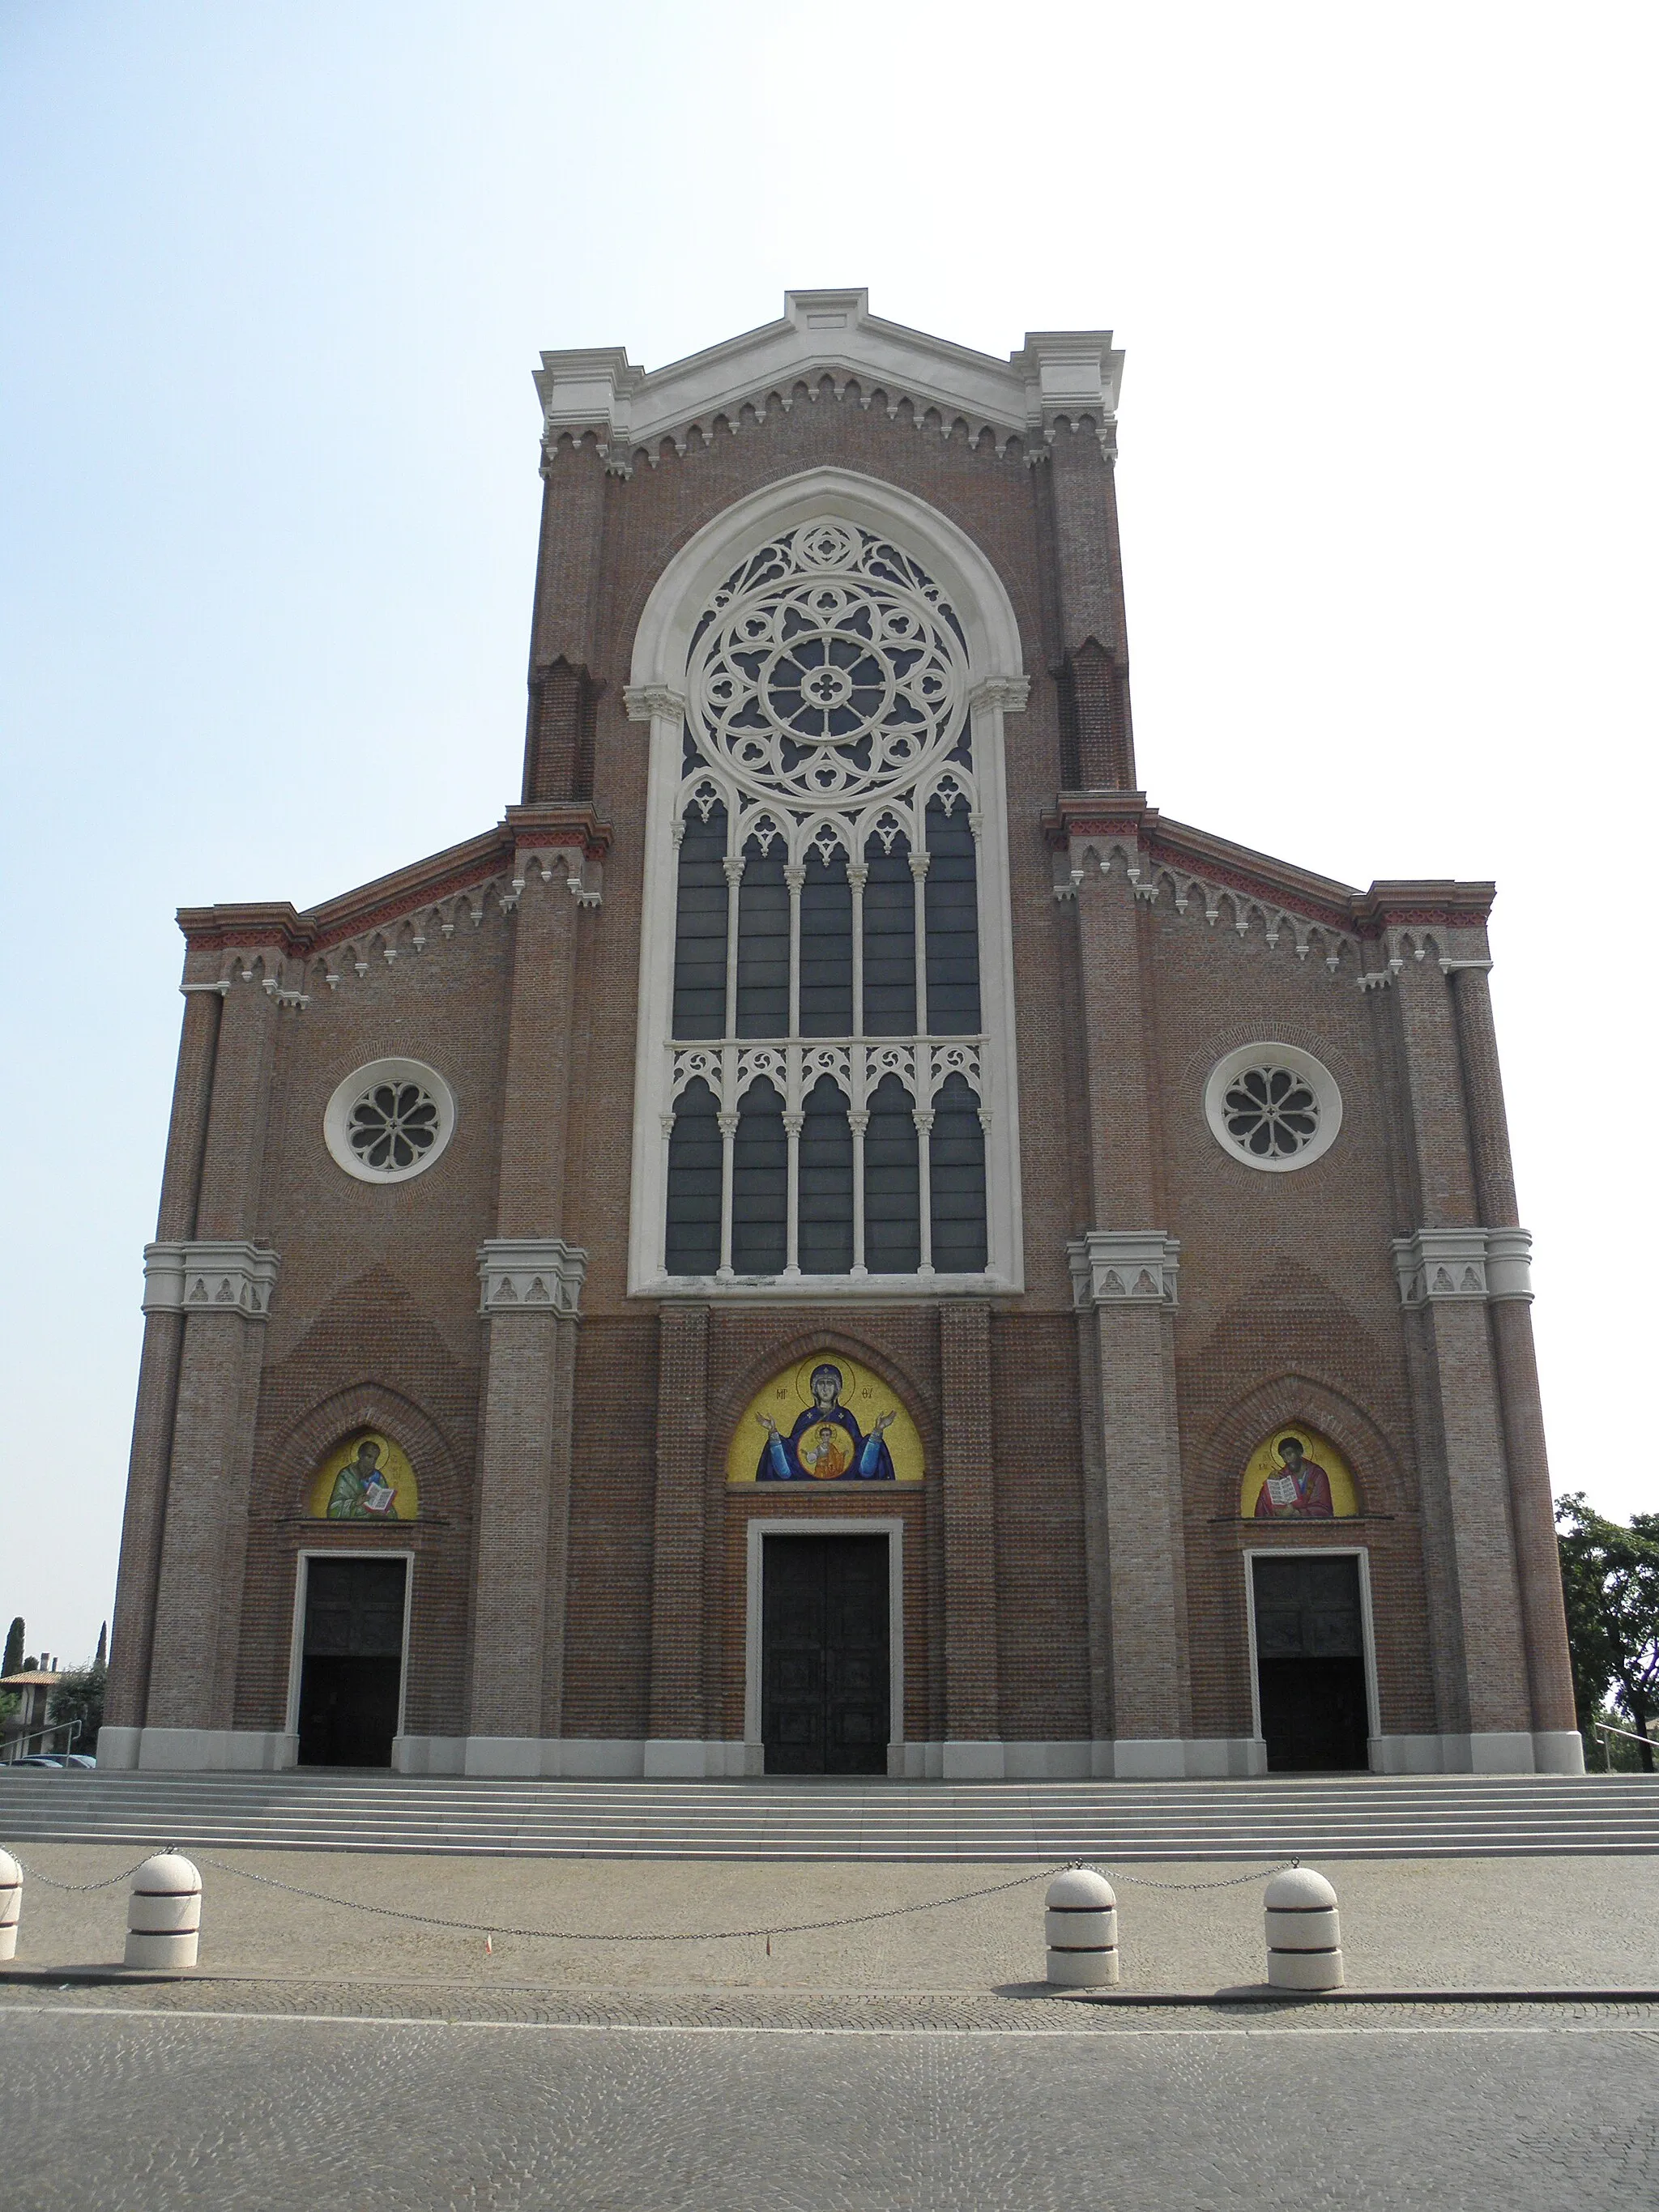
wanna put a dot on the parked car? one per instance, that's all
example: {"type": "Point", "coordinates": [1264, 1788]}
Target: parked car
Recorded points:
{"type": "Point", "coordinates": [40, 1758]}
{"type": "Point", "coordinates": [82, 1759]}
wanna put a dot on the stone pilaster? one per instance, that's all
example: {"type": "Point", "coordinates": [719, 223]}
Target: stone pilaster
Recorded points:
{"type": "Point", "coordinates": [1480, 1651]}
{"type": "Point", "coordinates": [1123, 1274]}
{"type": "Point", "coordinates": [675, 1744]}
{"type": "Point", "coordinates": [134, 1626]}
{"type": "Point", "coordinates": [971, 1729]}
{"type": "Point", "coordinates": [531, 1279]}
{"type": "Point", "coordinates": [221, 1281]}
{"type": "Point", "coordinates": [1510, 1306]}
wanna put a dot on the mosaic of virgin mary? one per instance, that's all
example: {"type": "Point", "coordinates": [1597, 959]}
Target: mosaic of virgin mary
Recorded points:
{"type": "Point", "coordinates": [826, 1444]}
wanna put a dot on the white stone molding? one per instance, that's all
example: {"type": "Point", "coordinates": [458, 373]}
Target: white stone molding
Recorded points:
{"type": "Point", "coordinates": [220, 990]}
{"type": "Point", "coordinates": [1069, 378]}
{"type": "Point", "coordinates": [1123, 1266]}
{"type": "Point", "coordinates": [1432, 1264]}
{"type": "Point", "coordinates": [353, 1116]}
{"type": "Point", "coordinates": [1270, 1058]}
{"type": "Point", "coordinates": [531, 1275]}
{"type": "Point", "coordinates": [230, 1277]}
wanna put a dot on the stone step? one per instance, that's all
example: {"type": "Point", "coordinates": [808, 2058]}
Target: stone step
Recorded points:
{"type": "Point", "coordinates": [1381, 1817]}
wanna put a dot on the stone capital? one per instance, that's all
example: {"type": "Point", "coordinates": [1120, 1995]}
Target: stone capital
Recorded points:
{"type": "Point", "coordinates": [645, 701]}
{"type": "Point", "coordinates": [1123, 1266]}
{"type": "Point", "coordinates": [1432, 1264]}
{"type": "Point", "coordinates": [230, 1277]}
{"type": "Point", "coordinates": [535, 1274]}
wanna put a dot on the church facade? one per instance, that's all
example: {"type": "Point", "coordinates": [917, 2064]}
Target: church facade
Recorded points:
{"type": "Point", "coordinates": [834, 1238]}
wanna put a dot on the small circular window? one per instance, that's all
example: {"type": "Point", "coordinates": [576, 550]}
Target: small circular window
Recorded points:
{"type": "Point", "coordinates": [1273, 1106]}
{"type": "Point", "coordinates": [389, 1120]}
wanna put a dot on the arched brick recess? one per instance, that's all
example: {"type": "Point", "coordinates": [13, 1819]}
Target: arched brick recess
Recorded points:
{"type": "Point", "coordinates": [727, 1409]}
{"type": "Point", "coordinates": [1379, 1486]}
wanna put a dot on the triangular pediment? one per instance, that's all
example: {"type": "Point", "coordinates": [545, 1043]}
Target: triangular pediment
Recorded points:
{"type": "Point", "coordinates": [1055, 376]}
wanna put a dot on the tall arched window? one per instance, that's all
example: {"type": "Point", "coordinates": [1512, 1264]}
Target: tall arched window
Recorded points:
{"type": "Point", "coordinates": [823, 852]}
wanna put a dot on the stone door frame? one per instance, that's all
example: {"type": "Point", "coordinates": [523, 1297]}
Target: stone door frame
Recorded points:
{"type": "Point", "coordinates": [891, 1526]}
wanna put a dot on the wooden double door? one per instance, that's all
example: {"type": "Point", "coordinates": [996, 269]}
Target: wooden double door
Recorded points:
{"type": "Point", "coordinates": [826, 1654]}
{"type": "Point", "coordinates": [1310, 1663]}
{"type": "Point", "coordinates": [352, 1670]}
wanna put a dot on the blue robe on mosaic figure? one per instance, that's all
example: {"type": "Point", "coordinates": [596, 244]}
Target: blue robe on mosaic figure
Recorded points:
{"type": "Point", "coordinates": [826, 1444]}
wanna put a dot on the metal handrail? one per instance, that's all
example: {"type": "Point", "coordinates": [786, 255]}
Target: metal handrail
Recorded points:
{"type": "Point", "coordinates": [19, 1745]}
{"type": "Point", "coordinates": [1605, 1728]}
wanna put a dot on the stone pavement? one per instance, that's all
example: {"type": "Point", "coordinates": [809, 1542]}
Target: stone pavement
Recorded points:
{"type": "Point", "coordinates": [1405, 2111]}
{"type": "Point", "coordinates": [1414, 1923]}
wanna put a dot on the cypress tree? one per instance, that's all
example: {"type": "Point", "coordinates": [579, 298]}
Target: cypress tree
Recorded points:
{"type": "Point", "coordinates": [14, 1659]}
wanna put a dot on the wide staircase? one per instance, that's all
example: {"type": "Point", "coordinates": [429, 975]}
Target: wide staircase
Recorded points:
{"type": "Point", "coordinates": [1361, 1817]}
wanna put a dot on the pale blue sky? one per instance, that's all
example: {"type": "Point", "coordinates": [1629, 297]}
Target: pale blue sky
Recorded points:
{"type": "Point", "coordinates": [272, 283]}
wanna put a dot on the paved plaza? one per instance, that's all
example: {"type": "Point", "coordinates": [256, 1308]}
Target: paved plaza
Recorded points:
{"type": "Point", "coordinates": [1416, 2111]}
{"type": "Point", "coordinates": [330, 2057]}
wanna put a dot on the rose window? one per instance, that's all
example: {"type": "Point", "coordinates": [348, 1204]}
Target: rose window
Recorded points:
{"type": "Point", "coordinates": [1274, 1106]}
{"type": "Point", "coordinates": [392, 1126]}
{"type": "Point", "coordinates": [1271, 1112]}
{"type": "Point", "coordinates": [389, 1120]}
{"type": "Point", "coordinates": [828, 667]}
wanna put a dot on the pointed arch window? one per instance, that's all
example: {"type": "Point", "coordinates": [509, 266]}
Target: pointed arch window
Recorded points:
{"type": "Point", "coordinates": [825, 848]}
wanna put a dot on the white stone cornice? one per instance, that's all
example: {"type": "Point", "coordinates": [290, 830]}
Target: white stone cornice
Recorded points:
{"type": "Point", "coordinates": [209, 1278]}
{"type": "Point", "coordinates": [1494, 1264]}
{"type": "Point", "coordinates": [1123, 1266]}
{"type": "Point", "coordinates": [221, 990]}
{"type": "Point", "coordinates": [1057, 378]}
{"type": "Point", "coordinates": [645, 701]}
{"type": "Point", "coordinates": [535, 1274]}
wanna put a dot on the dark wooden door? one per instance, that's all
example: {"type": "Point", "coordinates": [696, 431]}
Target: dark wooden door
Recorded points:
{"type": "Point", "coordinates": [352, 1670]}
{"type": "Point", "coordinates": [825, 1657]}
{"type": "Point", "coordinates": [1310, 1664]}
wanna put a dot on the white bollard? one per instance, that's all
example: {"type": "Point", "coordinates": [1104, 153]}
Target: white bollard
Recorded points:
{"type": "Point", "coordinates": [1081, 1927]}
{"type": "Point", "coordinates": [164, 1914]}
{"type": "Point", "coordinates": [11, 1904]}
{"type": "Point", "coordinates": [1304, 1935]}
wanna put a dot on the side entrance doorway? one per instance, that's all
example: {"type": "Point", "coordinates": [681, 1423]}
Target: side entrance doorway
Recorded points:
{"type": "Point", "coordinates": [1310, 1663]}
{"type": "Point", "coordinates": [824, 1654]}
{"type": "Point", "coordinates": [352, 1664]}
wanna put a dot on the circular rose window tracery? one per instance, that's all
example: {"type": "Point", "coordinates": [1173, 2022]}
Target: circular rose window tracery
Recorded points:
{"type": "Point", "coordinates": [389, 1120]}
{"type": "Point", "coordinates": [1273, 1106]}
{"type": "Point", "coordinates": [829, 666]}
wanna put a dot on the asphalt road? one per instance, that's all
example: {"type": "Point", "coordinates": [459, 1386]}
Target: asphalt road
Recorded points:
{"type": "Point", "coordinates": [1409, 2107]}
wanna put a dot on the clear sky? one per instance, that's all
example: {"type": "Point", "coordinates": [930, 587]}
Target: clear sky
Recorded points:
{"type": "Point", "coordinates": [273, 279]}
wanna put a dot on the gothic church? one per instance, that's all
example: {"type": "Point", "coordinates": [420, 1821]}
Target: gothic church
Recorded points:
{"type": "Point", "coordinates": [834, 1238]}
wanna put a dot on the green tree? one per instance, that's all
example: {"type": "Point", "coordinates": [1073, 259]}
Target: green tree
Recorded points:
{"type": "Point", "coordinates": [79, 1696]}
{"type": "Point", "coordinates": [1610, 1580]}
{"type": "Point", "coordinates": [14, 1658]}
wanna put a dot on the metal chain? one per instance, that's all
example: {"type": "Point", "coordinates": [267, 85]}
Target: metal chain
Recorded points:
{"type": "Point", "coordinates": [35, 1875]}
{"type": "Point", "coordinates": [647, 1936]}
{"type": "Point", "coordinates": [661, 1935]}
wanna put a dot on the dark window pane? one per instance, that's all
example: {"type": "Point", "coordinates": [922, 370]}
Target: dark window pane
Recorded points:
{"type": "Point", "coordinates": [760, 1184]}
{"type": "Point", "coordinates": [700, 929]}
{"type": "Point", "coordinates": [826, 949]}
{"type": "Point", "coordinates": [957, 1164]}
{"type": "Point", "coordinates": [952, 911]}
{"type": "Point", "coordinates": [763, 946]}
{"type": "Point", "coordinates": [890, 944]}
{"type": "Point", "coordinates": [892, 1218]}
{"type": "Point", "coordinates": [693, 1183]}
{"type": "Point", "coordinates": [826, 1183]}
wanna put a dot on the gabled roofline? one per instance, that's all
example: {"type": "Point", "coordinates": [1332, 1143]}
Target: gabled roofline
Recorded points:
{"type": "Point", "coordinates": [1056, 377]}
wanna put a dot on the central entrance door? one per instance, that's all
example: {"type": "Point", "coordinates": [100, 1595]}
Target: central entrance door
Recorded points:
{"type": "Point", "coordinates": [824, 1654]}
{"type": "Point", "coordinates": [1310, 1663]}
{"type": "Point", "coordinates": [351, 1674]}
